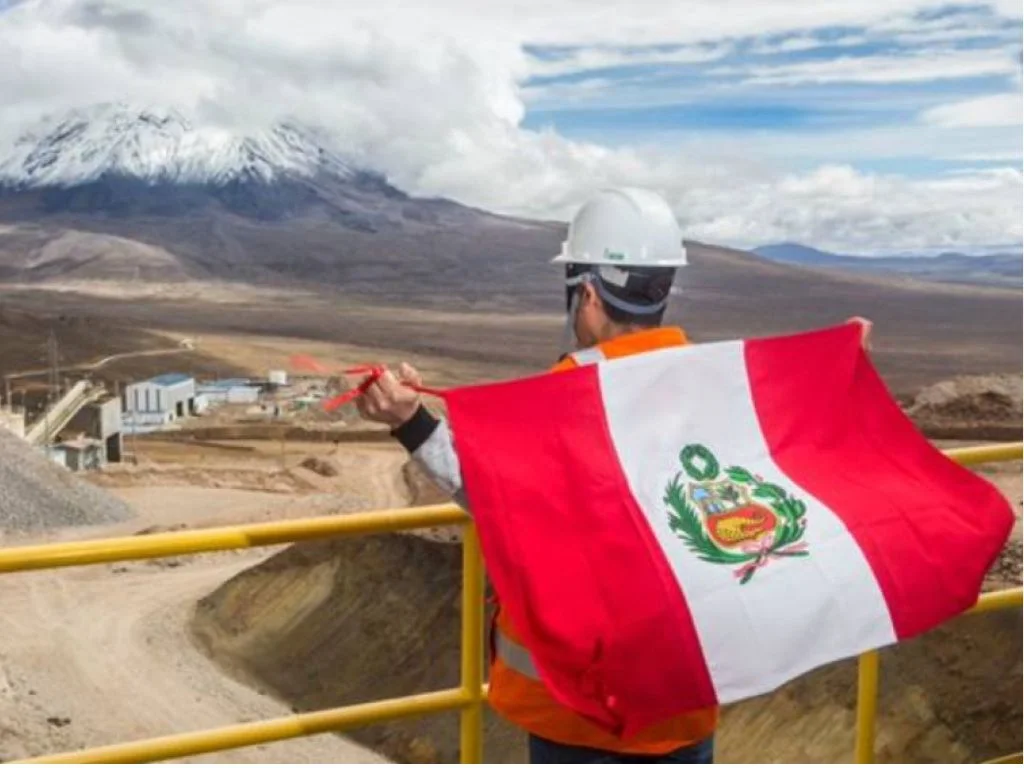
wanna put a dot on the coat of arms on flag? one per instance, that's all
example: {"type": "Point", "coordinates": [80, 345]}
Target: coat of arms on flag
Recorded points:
{"type": "Point", "coordinates": [735, 517]}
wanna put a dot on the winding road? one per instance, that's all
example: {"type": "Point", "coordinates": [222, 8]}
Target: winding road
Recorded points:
{"type": "Point", "coordinates": [182, 348]}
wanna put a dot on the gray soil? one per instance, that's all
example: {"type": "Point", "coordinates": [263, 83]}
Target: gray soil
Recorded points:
{"type": "Point", "coordinates": [37, 494]}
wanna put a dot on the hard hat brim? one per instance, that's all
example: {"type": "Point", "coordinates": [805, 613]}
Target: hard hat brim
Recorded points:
{"type": "Point", "coordinates": [567, 258]}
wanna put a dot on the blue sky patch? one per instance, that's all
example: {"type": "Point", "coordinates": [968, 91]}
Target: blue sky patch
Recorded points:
{"type": "Point", "coordinates": [944, 76]}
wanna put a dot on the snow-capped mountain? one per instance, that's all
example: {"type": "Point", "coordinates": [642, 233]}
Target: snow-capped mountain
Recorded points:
{"type": "Point", "coordinates": [110, 191]}
{"type": "Point", "coordinates": [160, 145]}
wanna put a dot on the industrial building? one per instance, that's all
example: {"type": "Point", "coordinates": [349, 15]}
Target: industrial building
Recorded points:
{"type": "Point", "coordinates": [80, 454]}
{"type": "Point", "coordinates": [229, 391]}
{"type": "Point", "coordinates": [160, 400]}
{"type": "Point", "coordinates": [101, 421]}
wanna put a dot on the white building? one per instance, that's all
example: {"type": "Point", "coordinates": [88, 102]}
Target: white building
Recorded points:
{"type": "Point", "coordinates": [233, 391]}
{"type": "Point", "coordinates": [160, 400]}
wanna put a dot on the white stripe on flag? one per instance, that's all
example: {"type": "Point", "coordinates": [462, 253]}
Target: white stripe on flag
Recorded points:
{"type": "Point", "coordinates": [796, 613]}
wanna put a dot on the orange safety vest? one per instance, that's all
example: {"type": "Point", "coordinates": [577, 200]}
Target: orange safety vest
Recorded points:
{"type": "Point", "coordinates": [516, 691]}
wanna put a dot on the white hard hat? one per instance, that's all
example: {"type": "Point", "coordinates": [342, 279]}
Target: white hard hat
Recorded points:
{"type": "Point", "coordinates": [626, 228]}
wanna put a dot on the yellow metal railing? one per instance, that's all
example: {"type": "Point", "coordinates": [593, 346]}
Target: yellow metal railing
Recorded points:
{"type": "Point", "coordinates": [868, 663]}
{"type": "Point", "coordinates": [467, 698]}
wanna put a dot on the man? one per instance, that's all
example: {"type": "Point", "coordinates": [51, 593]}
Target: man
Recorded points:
{"type": "Point", "coordinates": [620, 257]}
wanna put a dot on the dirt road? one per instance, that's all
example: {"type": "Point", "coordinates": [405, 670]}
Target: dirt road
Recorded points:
{"type": "Point", "coordinates": [96, 365]}
{"type": "Point", "coordinates": [98, 655]}
{"type": "Point", "coordinates": [91, 656]}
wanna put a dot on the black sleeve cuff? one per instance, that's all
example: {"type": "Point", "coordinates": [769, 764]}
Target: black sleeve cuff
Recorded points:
{"type": "Point", "coordinates": [417, 430]}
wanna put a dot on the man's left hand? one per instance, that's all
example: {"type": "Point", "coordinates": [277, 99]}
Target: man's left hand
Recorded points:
{"type": "Point", "coordinates": [865, 331]}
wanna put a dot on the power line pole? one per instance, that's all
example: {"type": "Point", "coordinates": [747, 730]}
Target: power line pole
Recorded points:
{"type": "Point", "coordinates": [52, 386]}
{"type": "Point", "coordinates": [54, 363]}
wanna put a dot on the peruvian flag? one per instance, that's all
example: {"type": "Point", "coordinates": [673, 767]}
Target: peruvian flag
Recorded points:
{"type": "Point", "coordinates": [698, 525]}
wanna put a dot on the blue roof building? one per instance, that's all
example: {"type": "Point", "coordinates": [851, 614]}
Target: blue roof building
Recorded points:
{"type": "Point", "coordinates": [170, 379]}
{"type": "Point", "coordinates": [160, 400]}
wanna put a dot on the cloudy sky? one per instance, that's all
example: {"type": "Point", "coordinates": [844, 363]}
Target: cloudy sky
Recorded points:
{"type": "Point", "coordinates": [864, 126]}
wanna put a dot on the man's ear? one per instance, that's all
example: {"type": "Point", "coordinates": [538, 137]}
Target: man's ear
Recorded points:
{"type": "Point", "coordinates": [589, 297]}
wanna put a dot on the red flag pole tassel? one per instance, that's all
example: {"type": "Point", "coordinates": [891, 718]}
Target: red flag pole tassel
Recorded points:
{"type": "Point", "coordinates": [373, 372]}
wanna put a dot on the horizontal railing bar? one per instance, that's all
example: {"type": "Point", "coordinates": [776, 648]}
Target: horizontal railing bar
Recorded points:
{"type": "Point", "coordinates": [262, 732]}
{"type": "Point", "coordinates": [139, 547]}
{"type": "Point", "coordinates": [66, 554]}
{"type": "Point", "coordinates": [1014, 759]}
{"type": "Point", "coordinates": [998, 600]}
{"type": "Point", "coordinates": [984, 454]}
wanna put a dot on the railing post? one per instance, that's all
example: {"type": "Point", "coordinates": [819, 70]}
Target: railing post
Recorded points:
{"type": "Point", "coordinates": [471, 722]}
{"type": "Point", "coordinates": [867, 706]}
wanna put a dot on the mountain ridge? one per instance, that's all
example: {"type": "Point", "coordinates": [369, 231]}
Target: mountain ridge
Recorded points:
{"type": "Point", "coordinates": [950, 266]}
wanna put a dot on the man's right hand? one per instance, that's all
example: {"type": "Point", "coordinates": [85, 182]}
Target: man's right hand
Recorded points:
{"type": "Point", "coordinates": [388, 400]}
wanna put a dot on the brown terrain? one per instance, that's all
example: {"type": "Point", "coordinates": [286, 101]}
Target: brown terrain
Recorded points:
{"type": "Point", "coordinates": [925, 332]}
{"type": "Point", "coordinates": [108, 653]}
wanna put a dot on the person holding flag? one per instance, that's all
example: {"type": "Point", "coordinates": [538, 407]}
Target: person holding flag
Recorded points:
{"type": "Point", "coordinates": [621, 255]}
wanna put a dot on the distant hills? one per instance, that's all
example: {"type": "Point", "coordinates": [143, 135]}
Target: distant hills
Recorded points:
{"type": "Point", "coordinates": [989, 269]}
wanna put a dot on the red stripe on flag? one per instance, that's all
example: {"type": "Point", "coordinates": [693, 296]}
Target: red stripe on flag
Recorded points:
{"type": "Point", "coordinates": [928, 528]}
{"type": "Point", "coordinates": [572, 556]}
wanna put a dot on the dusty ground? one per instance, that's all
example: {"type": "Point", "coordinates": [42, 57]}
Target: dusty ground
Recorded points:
{"type": "Point", "coordinates": [102, 654]}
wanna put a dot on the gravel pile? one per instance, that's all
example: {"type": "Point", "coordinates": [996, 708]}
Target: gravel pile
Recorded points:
{"type": "Point", "coordinates": [968, 399]}
{"type": "Point", "coordinates": [36, 494]}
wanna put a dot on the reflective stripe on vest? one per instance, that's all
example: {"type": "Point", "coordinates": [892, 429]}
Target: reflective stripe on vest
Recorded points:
{"type": "Point", "coordinates": [514, 655]}
{"type": "Point", "coordinates": [587, 356]}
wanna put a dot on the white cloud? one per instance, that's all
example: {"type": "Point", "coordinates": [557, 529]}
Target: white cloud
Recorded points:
{"type": "Point", "coordinates": [798, 43]}
{"type": "Point", "coordinates": [932, 65]}
{"type": "Point", "coordinates": [746, 204]}
{"type": "Point", "coordinates": [435, 99]}
{"type": "Point", "coordinates": [953, 35]}
{"type": "Point", "coordinates": [586, 59]}
{"type": "Point", "coordinates": [835, 207]}
{"type": "Point", "coordinates": [652, 22]}
{"type": "Point", "coordinates": [860, 146]}
{"type": "Point", "coordinates": [994, 110]}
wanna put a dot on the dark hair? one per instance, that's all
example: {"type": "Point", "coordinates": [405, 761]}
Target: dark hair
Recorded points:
{"type": "Point", "coordinates": [645, 286]}
{"type": "Point", "coordinates": [619, 317]}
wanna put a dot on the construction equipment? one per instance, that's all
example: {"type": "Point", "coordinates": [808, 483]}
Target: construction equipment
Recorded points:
{"type": "Point", "coordinates": [59, 414]}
